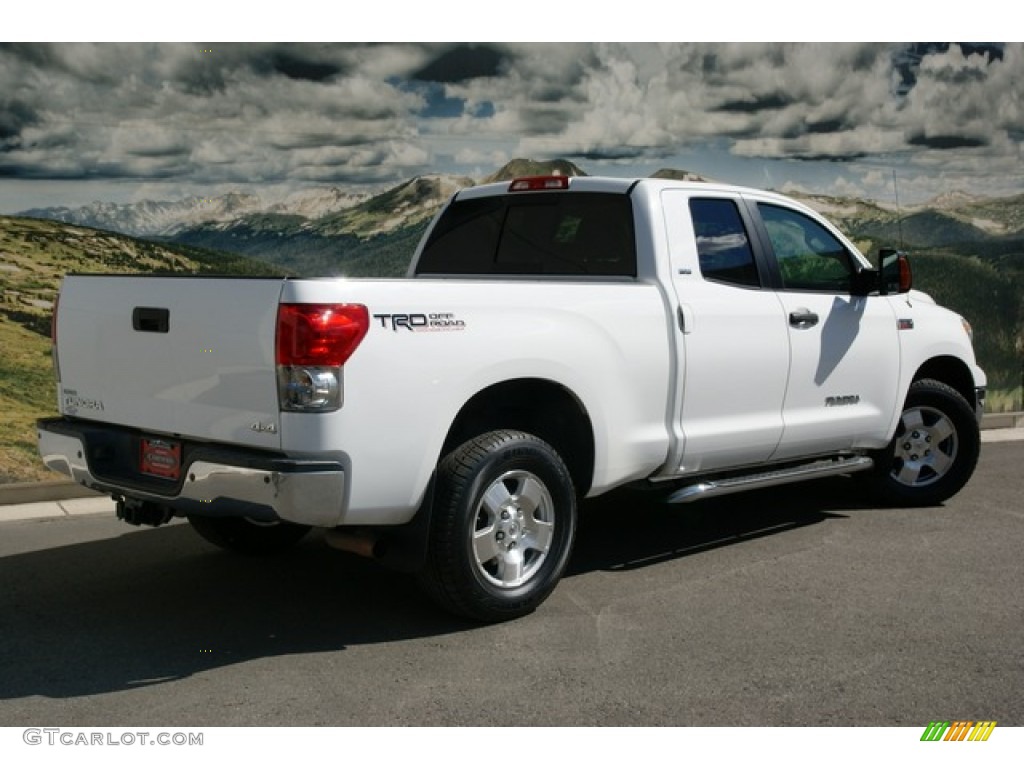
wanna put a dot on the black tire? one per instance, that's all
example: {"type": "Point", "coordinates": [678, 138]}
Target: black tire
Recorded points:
{"type": "Point", "coordinates": [239, 534]}
{"type": "Point", "coordinates": [503, 526]}
{"type": "Point", "coordinates": [934, 450]}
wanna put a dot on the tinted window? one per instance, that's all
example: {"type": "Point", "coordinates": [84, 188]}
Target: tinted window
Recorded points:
{"type": "Point", "coordinates": [722, 243]}
{"type": "Point", "coordinates": [809, 256]}
{"type": "Point", "coordinates": [550, 233]}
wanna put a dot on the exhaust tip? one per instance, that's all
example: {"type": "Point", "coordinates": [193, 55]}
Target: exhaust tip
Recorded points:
{"type": "Point", "coordinates": [358, 542]}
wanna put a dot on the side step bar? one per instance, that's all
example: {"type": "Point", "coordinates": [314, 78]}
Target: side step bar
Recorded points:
{"type": "Point", "coordinates": [726, 485]}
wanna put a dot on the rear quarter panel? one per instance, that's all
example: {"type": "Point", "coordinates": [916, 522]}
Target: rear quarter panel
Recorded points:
{"type": "Point", "coordinates": [605, 341]}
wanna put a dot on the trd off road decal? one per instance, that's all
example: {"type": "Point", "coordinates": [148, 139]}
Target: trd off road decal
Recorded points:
{"type": "Point", "coordinates": [418, 321]}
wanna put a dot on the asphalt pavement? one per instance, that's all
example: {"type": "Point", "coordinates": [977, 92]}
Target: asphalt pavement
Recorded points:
{"type": "Point", "coordinates": [799, 605]}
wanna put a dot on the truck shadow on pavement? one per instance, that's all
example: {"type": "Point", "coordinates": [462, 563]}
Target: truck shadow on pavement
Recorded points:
{"type": "Point", "coordinates": [626, 530]}
{"type": "Point", "coordinates": [150, 606]}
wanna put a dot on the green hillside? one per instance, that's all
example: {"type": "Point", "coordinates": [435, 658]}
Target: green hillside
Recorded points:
{"type": "Point", "coordinates": [989, 292]}
{"type": "Point", "coordinates": [26, 392]}
{"type": "Point", "coordinates": [34, 257]}
{"type": "Point", "coordinates": [925, 229]}
{"type": "Point", "coordinates": [313, 254]}
{"type": "Point", "coordinates": [295, 249]}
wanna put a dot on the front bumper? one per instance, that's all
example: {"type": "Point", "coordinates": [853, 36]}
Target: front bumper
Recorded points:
{"type": "Point", "coordinates": [216, 480]}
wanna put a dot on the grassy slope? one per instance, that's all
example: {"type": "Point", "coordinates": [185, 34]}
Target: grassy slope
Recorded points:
{"type": "Point", "coordinates": [27, 392]}
{"type": "Point", "coordinates": [991, 297]}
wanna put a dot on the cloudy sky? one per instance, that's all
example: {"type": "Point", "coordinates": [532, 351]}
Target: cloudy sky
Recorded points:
{"type": "Point", "coordinates": [124, 122]}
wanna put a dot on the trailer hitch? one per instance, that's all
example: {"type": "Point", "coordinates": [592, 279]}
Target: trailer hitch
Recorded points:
{"type": "Point", "coordinates": [138, 512]}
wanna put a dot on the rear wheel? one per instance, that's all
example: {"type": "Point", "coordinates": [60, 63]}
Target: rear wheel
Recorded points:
{"type": "Point", "coordinates": [503, 526]}
{"type": "Point", "coordinates": [248, 537]}
{"type": "Point", "coordinates": [935, 449]}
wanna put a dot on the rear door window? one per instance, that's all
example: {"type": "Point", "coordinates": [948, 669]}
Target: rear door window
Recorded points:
{"type": "Point", "coordinates": [723, 248]}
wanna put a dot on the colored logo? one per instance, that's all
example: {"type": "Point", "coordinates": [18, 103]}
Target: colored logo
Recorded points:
{"type": "Point", "coordinates": [958, 730]}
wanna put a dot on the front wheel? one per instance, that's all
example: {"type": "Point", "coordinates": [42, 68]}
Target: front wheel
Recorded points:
{"type": "Point", "coordinates": [503, 526]}
{"type": "Point", "coordinates": [935, 449]}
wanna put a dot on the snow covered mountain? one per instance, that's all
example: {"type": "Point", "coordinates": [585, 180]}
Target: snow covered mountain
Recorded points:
{"type": "Point", "coordinates": [166, 218]}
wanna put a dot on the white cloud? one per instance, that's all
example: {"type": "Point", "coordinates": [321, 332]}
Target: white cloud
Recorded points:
{"type": "Point", "coordinates": [486, 158]}
{"type": "Point", "coordinates": [282, 114]}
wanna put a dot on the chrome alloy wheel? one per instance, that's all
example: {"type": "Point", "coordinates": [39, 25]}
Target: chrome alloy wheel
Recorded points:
{"type": "Point", "coordinates": [513, 530]}
{"type": "Point", "coordinates": [926, 447]}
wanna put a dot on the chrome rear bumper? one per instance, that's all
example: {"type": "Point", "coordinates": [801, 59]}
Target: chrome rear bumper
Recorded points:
{"type": "Point", "coordinates": [236, 483]}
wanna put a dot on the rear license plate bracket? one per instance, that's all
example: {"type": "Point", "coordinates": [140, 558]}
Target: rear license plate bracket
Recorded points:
{"type": "Point", "coordinates": [160, 458]}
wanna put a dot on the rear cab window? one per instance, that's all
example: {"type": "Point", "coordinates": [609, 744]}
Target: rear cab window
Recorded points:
{"type": "Point", "coordinates": [544, 233]}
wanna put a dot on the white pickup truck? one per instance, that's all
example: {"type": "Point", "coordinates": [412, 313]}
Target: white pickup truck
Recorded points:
{"type": "Point", "coordinates": [558, 337]}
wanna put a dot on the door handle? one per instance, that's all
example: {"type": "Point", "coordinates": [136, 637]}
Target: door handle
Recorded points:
{"type": "Point", "coordinates": [802, 318]}
{"type": "Point", "coordinates": [685, 317]}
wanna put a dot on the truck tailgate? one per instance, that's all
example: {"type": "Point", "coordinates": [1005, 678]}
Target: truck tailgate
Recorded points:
{"type": "Point", "coordinates": [185, 356]}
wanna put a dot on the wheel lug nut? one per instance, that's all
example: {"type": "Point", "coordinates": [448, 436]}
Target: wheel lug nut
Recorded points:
{"type": "Point", "coordinates": [499, 536]}
{"type": "Point", "coordinates": [906, 446]}
{"type": "Point", "coordinates": [504, 514]}
{"type": "Point", "coordinates": [913, 457]}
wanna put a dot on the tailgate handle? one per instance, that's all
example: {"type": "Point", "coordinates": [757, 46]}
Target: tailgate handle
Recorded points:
{"type": "Point", "coordinates": [151, 319]}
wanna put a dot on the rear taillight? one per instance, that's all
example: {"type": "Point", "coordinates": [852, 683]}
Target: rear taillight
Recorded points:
{"type": "Point", "coordinates": [319, 334]}
{"type": "Point", "coordinates": [313, 343]}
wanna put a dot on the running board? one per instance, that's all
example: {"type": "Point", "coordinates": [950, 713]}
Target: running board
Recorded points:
{"type": "Point", "coordinates": [816, 469]}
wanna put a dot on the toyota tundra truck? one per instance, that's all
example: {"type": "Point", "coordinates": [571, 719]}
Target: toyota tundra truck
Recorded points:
{"type": "Point", "coordinates": [555, 338]}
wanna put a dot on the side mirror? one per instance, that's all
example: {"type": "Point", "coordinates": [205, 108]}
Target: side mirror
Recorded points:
{"type": "Point", "coordinates": [894, 271]}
